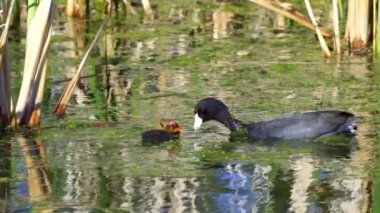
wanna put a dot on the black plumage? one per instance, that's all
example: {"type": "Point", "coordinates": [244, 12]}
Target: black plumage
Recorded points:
{"type": "Point", "coordinates": [169, 132]}
{"type": "Point", "coordinates": [297, 126]}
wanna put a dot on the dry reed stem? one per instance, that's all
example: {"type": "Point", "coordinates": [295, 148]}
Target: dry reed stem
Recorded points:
{"type": "Point", "coordinates": [35, 43]}
{"type": "Point", "coordinates": [5, 58]}
{"type": "Point", "coordinates": [357, 24]}
{"type": "Point", "coordinates": [5, 87]}
{"type": "Point", "coordinates": [377, 27]}
{"type": "Point", "coordinates": [350, 19]}
{"type": "Point", "coordinates": [61, 105]}
{"type": "Point", "coordinates": [374, 24]}
{"type": "Point", "coordinates": [35, 115]}
{"type": "Point", "coordinates": [146, 6]}
{"type": "Point", "coordinates": [4, 35]}
{"type": "Point", "coordinates": [32, 115]}
{"type": "Point", "coordinates": [75, 8]}
{"type": "Point", "coordinates": [337, 45]}
{"type": "Point", "coordinates": [148, 12]}
{"type": "Point", "coordinates": [129, 7]}
{"type": "Point", "coordinates": [274, 6]}
{"type": "Point", "coordinates": [322, 41]}
{"type": "Point", "coordinates": [108, 7]}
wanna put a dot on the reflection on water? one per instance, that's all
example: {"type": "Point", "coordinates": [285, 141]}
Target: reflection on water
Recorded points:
{"type": "Point", "coordinates": [159, 194]}
{"type": "Point", "coordinates": [36, 181]}
{"type": "Point", "coordinates": [156, 67]}
{"type": "Point", "coordinates": [221, 19]}
{"type": "Point", "coordinates": [5, 172]}
{"type": "Point", "coordinates": [248, 188]}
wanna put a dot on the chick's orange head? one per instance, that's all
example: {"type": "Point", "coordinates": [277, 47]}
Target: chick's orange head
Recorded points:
{"type": "Point", "coordinates": [173, 126]}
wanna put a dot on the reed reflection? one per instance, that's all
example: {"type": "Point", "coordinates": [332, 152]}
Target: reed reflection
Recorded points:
{"type": "Point", "coordinates": [221, 20]}
{"type": "Point", "coordinates": [37, 185]}
{"type": "Point", "coordinates": [159, 194]}
{"type": "Point", "coordinates": [5, 172]}
{"type": "Point", "coordinates": [37, 167]}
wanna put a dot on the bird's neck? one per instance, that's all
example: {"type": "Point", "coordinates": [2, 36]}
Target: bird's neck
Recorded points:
{"type": "Point", "coordinates": [230, 122]}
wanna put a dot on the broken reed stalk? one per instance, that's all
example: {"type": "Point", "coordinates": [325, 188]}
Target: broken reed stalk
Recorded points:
{"type": "Point", "coordinates": [335, 20]}
{"type": "Point", "coordinates": [5, 81]}
{"type": "Point", "coordinates": [61, 106]}
{"type": "Point", "coordinates": [4, 35]}
{"type": "Point", "coordinates": [33, 109]}
{"type": "Point", "coordinates": [75, 8]}
{"type": "Point", "coordinates": [357, 24]}
{"type": "Point", "coordinates": [35, 115]}
{"type": "Point", "coordinates": [289, 13]}
{"type": "Point", "coordinates": [5, 65]}
{"type": "Point", "coordinates": [129, 7]}
{"type": "Point", "coordinates": [322, 41]}
{"type": "Point", "coordinates": [146, 6]}
{"type": "Point", "coordinates": [148, 12]}
{"type": "Point", "coordinates": [36, 38]}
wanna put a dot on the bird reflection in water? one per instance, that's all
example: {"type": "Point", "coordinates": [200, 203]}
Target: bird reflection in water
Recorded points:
{"type": "Point", "coordinates": [245, 191]}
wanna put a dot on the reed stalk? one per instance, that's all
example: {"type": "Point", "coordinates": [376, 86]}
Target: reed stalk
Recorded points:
{"type": "Point", "coordinates": [87, 6]}
{"type": "Point", "coordinates": [62, 104]}
{"type": "Point", "coordinates": [16, 16]}
{"type": "Point", "coordinates": [335, 20]}
{"type": "Point", "coordinates": [75, 8]}
{"type": "Point", "coordinates": [32, 6]}
{"type": "Point", "coordinates": [108, 7]}
{"type": "Point", "coordinates": [322, 41]}
{"type": "Point", "coordinates": [291, 14]}
{"type": "Point", "coordinates": [5, 82]}
{"type": "Point", "coordinates": [377, 26]}
{"type": "Point", "coordinates": [148, 12]}
{"type": "Point", "coordinates": [129, 7]}
{"type": "Point", "coordinates": [33, 109]}
{"type": "Point", "coordinates": [357, 24]}
{"type": "Point", "coordinates": [37, 37]}
{"type": "Point", "coordinates": [374, 25]}
{"type": "Point", "coordinates": [146, 6]}
{"type": "Point", "coordinates": [340, 7]}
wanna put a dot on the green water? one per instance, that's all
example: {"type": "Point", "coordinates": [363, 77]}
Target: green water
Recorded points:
{"type": "Point", "coordinates": [92, 159]}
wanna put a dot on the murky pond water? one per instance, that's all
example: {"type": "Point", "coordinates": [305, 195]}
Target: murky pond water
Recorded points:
{"type": "Point", "coordinates": [93, 160]}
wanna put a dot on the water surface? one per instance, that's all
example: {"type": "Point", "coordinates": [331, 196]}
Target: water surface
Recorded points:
{"type": "Point", "coordinates": [92, 159]}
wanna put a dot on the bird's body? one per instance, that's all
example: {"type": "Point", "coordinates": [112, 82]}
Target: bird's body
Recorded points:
{"type": "Point", "coordinates": [169, 132]}
{"type": "Point", "coordinates": [157, 136]}
{"type": "Point", "coordinates": [304, 126]}
{"type": "Point", "coordinates": [297, 126]}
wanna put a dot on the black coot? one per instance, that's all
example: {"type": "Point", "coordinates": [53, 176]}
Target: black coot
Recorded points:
{"type": "Point", "coordinates": [169, 132]}
{"type": "Point", "coordinates": [298, 126]}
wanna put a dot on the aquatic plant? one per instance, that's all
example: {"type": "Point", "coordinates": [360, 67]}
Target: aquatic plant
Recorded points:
{"type": "Point", "coordinates": [37, 43]}
{"type": "Point", "coordinates": [75, 8]}
{"type": "Point", "coordinates": [357, 22]}
{"type": "Point", "coordinates": [61, 106]}
{"type": "Point", "coordinates": [5, 83]}
{"type": "Point", "coordinates": [322, 41]}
